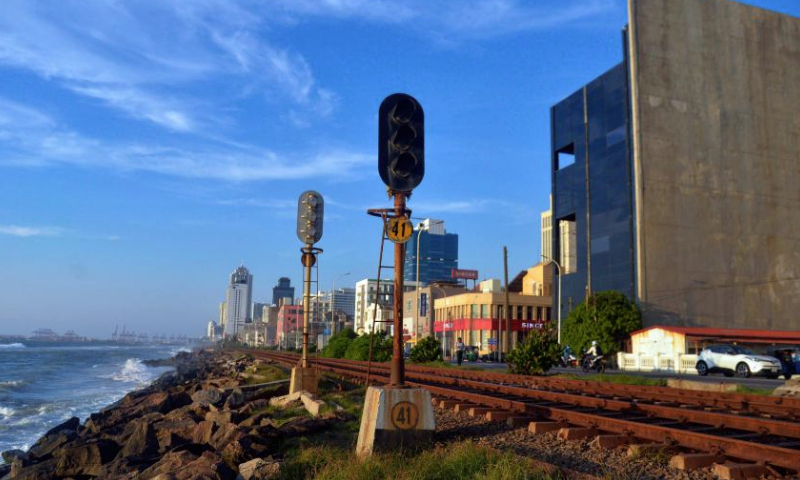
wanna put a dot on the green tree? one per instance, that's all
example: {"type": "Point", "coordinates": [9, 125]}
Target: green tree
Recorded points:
{"type": "Point", "coordinates": [338, 343]}
{"type": "Point", "coordinates": [429, 349]}
{"type": "Point", "coordinates": [535, 355]}
{"type": "Point", "coordinates": [608, 317]}
{"type": "Point", "coordinates": [381, 348]}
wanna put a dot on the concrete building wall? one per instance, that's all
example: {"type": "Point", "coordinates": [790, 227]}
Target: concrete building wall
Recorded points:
{"type": "Point", "coordinates": [716, 157]}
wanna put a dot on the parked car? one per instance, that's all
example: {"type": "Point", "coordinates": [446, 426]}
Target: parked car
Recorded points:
{"type": "Point", "coordinates": [734, 360]}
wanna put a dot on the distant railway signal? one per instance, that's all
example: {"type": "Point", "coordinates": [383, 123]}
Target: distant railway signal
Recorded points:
{"type": "Point", "coordinates": [401, 142]}
{"type": "Point", "coordinates": [310, 208]}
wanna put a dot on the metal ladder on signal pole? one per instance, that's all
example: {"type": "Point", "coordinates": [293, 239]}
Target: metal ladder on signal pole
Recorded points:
{"type": "Point", "coordinates": [384, 214]}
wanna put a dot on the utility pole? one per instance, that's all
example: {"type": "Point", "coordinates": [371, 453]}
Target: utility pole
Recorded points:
{"type": "Point", "coordinates": [507, 308]}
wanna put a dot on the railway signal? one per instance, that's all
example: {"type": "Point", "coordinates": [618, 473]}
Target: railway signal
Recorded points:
{"type": "Point", "coordinates": [401, 142]}
{"type": "Point", "coordinates": [395, 415]}
{"type": "Point", "coordinates": [310, 209]}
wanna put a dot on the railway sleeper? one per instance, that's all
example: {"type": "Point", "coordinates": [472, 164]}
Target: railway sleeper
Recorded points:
{"type": "Point", "coordinates": [740, 471]}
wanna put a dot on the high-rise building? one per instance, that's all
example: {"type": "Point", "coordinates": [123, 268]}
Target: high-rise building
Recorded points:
{"type": "Point", "coordinates": [674, 172]}
{"type": "Point", "coordinates": [223, 315]}
{"type": "Point", "coordinates": [438, 253]}
{"type": "Point", "coordinates": [547, 232]}
{"type": "Point", "coordinates": [238, 300]}
{"type": "Point", "coordinates": [258, 310]}
{"type": "Point", "coordinates": [343, 300]}
{"type": "Point", "coordinates": [283, 289]}
{"type": "Point", "coordinates": [367, 292]}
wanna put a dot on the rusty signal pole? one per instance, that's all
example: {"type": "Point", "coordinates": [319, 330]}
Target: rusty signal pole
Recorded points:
{"type": "Point", "coordinates": [401, 164]}
{"type": "Point", "coordinates": [310, 208]}
{"type": "Point", "coordinates": [396, 415]}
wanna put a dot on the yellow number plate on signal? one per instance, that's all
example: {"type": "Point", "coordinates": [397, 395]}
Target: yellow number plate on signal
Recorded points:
{"type": "Point", "coordinates": [399, 229]}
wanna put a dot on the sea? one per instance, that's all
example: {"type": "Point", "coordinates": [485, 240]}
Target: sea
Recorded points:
{"type": "Point", "coordinates": [44, 384]}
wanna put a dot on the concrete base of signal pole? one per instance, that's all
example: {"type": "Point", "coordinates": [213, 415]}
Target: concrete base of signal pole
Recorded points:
{"type": "Point", "coordinates": [395, 418]}
{"type": "Point", "coordinates": [304, 378]}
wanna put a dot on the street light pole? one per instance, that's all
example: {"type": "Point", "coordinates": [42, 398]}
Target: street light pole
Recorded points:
{"type": "Point", "coordinates": [444, 322]}
{"type": "Point", "coordinates": [558, 268]}
{"type": "Point", "coordinates": [416, 310]}
{"type": "Point", "coordinates": [333, 293]}
{"type": "Point", "coordinates": [420, 227]}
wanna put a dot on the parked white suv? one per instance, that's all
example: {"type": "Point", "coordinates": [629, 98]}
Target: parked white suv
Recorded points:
{"type": "Point", "coordinates": [734, 360]}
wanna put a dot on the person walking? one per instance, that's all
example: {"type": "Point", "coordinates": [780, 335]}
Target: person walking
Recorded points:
{"type": "Point", "coordinates": [459, 351]}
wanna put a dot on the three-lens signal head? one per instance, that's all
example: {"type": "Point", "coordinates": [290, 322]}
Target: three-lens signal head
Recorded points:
{"type": "Point", "coordinates": [401, 142]}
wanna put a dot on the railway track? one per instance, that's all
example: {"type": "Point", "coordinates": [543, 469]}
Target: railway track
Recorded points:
{"type": "Point", "coordinates": [763, 431]}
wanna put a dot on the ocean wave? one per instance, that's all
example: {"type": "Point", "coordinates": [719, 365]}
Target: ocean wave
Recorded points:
{"type": "Point", "coordinates": [7, 412]}
{"type": "Point", "coordinates": [12, 345]}
{"type": "Point", "coordinates": [178, 350]}
{"type": "Point", "coordinates": [10, 384]}
{"type": "Point", "coordinates": [133, 371]}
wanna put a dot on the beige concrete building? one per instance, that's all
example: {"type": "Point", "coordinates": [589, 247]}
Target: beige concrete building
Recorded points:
{"type": "Point", "coordinates": [478, 317]}
{"type": "Point", "coordinates": [686, 195]}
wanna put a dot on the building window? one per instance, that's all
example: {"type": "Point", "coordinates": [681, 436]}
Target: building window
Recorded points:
{"type": "Point", "coordinates": [565, 156]}
{"type": "Point", "coordinates": [568, 245]}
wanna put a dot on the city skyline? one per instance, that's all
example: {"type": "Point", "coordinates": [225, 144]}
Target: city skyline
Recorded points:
{"type": "Point", "coordinates": [140, 165]}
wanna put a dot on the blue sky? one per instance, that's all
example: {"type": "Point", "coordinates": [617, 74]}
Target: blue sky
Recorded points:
{"type": "Point", "coordinates": [148, 147]}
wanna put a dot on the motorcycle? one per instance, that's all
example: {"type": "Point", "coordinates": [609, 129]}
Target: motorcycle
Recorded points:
{"type": "Point", "coordinates": [568, 361]}
{"type": "Point", "coordinates": [597, 363]}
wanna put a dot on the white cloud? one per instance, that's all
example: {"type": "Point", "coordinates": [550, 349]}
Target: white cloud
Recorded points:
{"type": "Point", "coordinates": [456, 19]}
{"type": "Point", "coordinates": [37, 141]}
{"type": "Point", "coordinates": [459, 206]}
{"type": "Point", "coordinates": [27, 231]}
{"type": "Point", "coordinates": [19, 231]}
{"type": "Point", "coordinates": [142, 58]}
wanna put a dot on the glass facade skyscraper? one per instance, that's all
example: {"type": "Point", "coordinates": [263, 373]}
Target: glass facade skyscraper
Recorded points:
{"type": "Point", "coordinates": [283, 289]}
{"type": "Point", "coordinates": [592, 205]}
{"type": "Point", "coordinates": [438, 253]}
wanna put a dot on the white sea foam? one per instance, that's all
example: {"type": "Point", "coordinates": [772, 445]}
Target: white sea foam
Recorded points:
{"type": "Point", "coordinates": [12, 345]}
{"type": "Point", "coordinates": [10, 383]}
{"type": "Point", "coordinates": [6, 412]}
{"type": "Point", "coordinates": [133, 372]}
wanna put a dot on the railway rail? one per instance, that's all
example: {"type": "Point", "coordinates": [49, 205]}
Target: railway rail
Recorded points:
{"type": "Point", "coordinates": [762, 430]}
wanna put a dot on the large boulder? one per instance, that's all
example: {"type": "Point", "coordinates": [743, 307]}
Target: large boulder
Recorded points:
{"type": "Point", "coordinates": [203, 432]}
{"type": "Point", "coordinates": [49, 444]}
{"type": "Point", "coordinates": [207, 397]}
{"type": "Point", "coordinates": [184, 465]}
{"type": "Point", "coordinates": [85, 459]}
{"type": "Point", "coordinates": [39, 471]}
{"type": "Point", "coordinates": [10, 455]}
{"type": "Point", "coordinates": [222, 417]}
{"type": "Point", "coordinates": [70, 425]}
{"type": "Point", "coordinates": [259, 469]}
{"type": "Point", "coordinates": [143, 441]}
{"type": "Point", "coordinates": [120, 415]}
{"type": "Point", "coordinates": [235, 399]}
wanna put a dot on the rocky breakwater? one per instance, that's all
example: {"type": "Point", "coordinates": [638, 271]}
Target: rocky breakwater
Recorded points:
{"type": "Point", "coordinates": [200, 422]}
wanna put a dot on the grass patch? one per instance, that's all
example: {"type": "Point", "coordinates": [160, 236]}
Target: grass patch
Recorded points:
{"type": "Point", "coordinates": [754, 390]}
{"type": "Point", "coordinates": [621, 379]}
{"type": "Point", "coordinates": [351, 401]}
{"type": "Point", "coordinates": [266, 373]}
{"type": "Point", "coordinates": [440, 364]}
{"type": "Point", "coordinates": [456, 461]}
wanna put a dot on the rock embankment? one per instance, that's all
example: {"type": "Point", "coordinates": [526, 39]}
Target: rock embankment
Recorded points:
{"type": "Point", "coordinates": [200, 422]}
